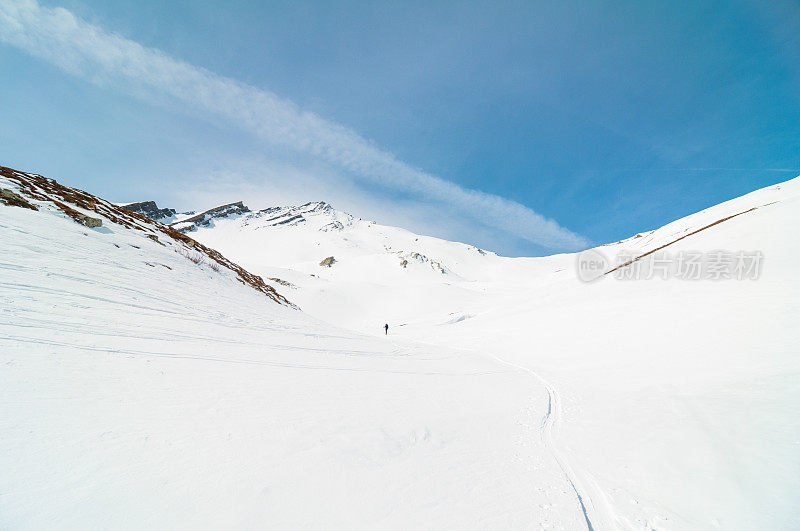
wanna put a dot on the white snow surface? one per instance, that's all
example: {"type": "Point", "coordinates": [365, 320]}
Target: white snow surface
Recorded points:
{"type": "Point", "coordinates": [508, 394]}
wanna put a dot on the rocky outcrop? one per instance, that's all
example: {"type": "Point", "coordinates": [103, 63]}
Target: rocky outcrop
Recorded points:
{"type": "Point", "coordinates": [282, 282]}
{"type": "Point", "coordinates": [292, 216]}
{"type": "Point", "coordinates": [204, 218]}
{"type": "Point", "coordinates": [7, 197]}
{"type": "Point", "coordinates": [149, 209]}
{"type": "Point", "coordinates": [334, 225]}
{"type": "Point", "coordinates": [88, 221]}
{"type": "Point", "coordinates": [422, 259]}
{"type": "Point", "coordinates": [328, 262]}
{"type": "Point", "coordinates": [78, 217]}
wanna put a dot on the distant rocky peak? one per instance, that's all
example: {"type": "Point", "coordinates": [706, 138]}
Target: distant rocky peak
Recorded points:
{"type": "Point", "coordinates": [319, 214]}
{"type": "Point", "coordinates": [204, 218]}
{"type": "Point", "coordinates": [149, 209]}
{"type": "Point", "coordinates": [316, 206]}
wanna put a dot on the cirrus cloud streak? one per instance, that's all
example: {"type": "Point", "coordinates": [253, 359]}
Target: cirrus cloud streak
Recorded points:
{"type": "Point", "coordinates": [87, 51]}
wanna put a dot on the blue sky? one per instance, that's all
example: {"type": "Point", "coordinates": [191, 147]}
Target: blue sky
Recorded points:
{"type": "Point", "coordinates": [522, 127]}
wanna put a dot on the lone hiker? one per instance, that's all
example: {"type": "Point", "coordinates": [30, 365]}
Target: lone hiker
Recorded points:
{"type": "Point", "coordinates": [386, 328]}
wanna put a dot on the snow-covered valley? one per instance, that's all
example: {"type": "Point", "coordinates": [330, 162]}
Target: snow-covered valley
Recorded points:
{"type": "Point", "coordinates": [147, 385]}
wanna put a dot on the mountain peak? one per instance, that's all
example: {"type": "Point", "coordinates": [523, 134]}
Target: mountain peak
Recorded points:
{"type": "Point", "coordinates": [320, 213]}
{"type": "Point", "coordinates": [149, 209]}
{"type": "Point", "coordinates": [191, 223]}
{"type": "Point", "coordinates": [317, 213]}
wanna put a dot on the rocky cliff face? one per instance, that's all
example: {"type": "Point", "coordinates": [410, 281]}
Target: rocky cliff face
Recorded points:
{"type": "Point", "coordinates": [204, 218]}
{"type": "Point", "coordinates": [319, 213]}
{"type": "Point", "coordinates": [149, 209]}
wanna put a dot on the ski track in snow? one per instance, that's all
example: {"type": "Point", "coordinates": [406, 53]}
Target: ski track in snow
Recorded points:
{"type": "Point", "coordinates": [593, 502]}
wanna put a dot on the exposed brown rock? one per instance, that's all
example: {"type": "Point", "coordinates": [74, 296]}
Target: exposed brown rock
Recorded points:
{"type": "Point", "coordinates": [7, 197]}
{"type": "Point", "coordinates": [83, 219]}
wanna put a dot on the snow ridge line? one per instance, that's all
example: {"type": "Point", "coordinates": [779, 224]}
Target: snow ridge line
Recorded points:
{"type": "Point", "coordinates": [549, 424]}
{"type": "Point", "coordinates": [629, 262]}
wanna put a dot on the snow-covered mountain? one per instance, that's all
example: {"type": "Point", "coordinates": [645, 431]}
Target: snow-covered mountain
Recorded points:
{"type": "Point", "coordinates": [306, 234]}
{"type": "Point", "coordinates": [509, 393]}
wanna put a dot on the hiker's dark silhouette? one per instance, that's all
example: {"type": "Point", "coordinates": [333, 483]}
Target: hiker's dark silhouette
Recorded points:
{"type": "Point", "coordinates": [386, 328]}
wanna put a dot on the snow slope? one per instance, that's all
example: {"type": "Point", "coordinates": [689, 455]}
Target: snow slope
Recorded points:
{"type": "Point", "coordinates": [673, 404]}
{"type": "Point", "coordinates": [682, 402]}
{"type": "Point", "coordinates": [400, 270]}
{"type": "Point", "coordinates": [143, 387]}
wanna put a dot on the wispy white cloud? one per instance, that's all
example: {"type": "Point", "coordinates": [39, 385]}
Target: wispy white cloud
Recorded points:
{"type": "Point", "coordinates": [87, 51]}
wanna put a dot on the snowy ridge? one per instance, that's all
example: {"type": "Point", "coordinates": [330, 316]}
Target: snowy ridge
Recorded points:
{"type": "Point", "coordinates": [318, 213]}
{"type": "Point", "coordinates": [190, 223]}
{"type": "Point", "coordinates": [307, 234]}
{"type": "Point", "coordinates": [648, 242]}
{"type": "Point", "coordinates": [321, 215]}
{"type": "Point", "coordinates": [353, 236]}
{"type": "Point", "coordinates": [38, 193]}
